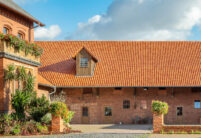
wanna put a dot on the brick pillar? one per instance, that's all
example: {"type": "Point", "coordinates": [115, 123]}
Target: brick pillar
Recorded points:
{"type": "Point", "coordinates": [57, 124]}
{"type": "Point", "coordinates": [157, 122]}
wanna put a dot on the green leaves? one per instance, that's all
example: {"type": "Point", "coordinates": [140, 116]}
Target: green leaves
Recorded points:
{"type": "Point", "coordinates": [20, 101]}
{"type": "Point", "coordinates": [9, 73]}
{"type": "Point", "coordinates": [38, 108]}
{"type": "Point", "coordinates": [22, 45]}
{"type": "Point", "coordinates": [159, 107]}
{"type": "Point", "coordinates": [59, 109]}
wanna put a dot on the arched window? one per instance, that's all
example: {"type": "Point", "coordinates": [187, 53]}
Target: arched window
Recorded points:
{"type": "Point", "coordinates": [21, 35]}
{"type": "Point", "coordinates": [6, 29]}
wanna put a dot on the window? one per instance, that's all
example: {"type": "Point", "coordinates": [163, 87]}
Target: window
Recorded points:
{"type": "Point", "coordinates": [85, 111]}
{"type": "Point", "coordinates": [162, 88]}
{"type": "Point", "coordinates": [196, 89]}
{"type": "Point", "coordinates": [83, 62]}
{"type": "Point", "coordinates": [179, 111]}
{"type": "Point", "coordinates": [197, 104]}
{"type": "Point", "coordinates": [108, 111]}
{"type": "Point", "coordinates": [117, 88]}
{"type": "Point", "coordinates": [87, 90]}
{"type": "Point", "coordinates": [143, 104]}
{"type": "Point", "coordinates": [20, 35]}
{"type": "Point", "coordinates": [6, 30]}
{"type": "Point", "coordinates": [126, 104]}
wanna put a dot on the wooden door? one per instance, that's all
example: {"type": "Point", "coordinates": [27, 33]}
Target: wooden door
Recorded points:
{"type": "Point", "coordinates": [108, 119]}
{"type": "Point", "coordinates": [85, 115]}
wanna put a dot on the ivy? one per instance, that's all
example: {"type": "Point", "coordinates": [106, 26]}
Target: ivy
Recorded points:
{"type": "Point", "coordinates": [22, 45]}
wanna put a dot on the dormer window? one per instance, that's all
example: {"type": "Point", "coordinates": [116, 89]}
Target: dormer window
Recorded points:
{"type": "Point", "coordinates": [83, 62]}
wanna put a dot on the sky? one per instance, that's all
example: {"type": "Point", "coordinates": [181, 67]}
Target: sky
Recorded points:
{"type": "Point", "coordinates": [123, 20]}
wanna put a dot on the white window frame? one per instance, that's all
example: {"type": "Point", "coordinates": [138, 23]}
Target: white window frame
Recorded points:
{"type": "Point", "coordinates": [84, 62]}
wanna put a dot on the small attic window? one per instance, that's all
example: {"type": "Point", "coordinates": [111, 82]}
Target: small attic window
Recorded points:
{"type": "Point", "coordinates": [83, 62]}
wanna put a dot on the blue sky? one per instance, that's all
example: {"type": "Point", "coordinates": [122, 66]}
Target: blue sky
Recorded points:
{"type": "Point", "coordinates": [116, 19]}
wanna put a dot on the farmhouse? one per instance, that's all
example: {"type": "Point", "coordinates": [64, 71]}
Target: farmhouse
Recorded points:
{"type": "Point", "coordinates": [106, 81]}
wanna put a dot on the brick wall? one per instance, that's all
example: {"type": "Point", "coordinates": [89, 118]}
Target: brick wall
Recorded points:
{"type": "Point", "coordinates": [5, 103]}
{"type": "Point", "coordinates": [43, 91]}
{"type": "Point", "coordinates": [114, 98]}
{"type": "Point", "coordinates": [160, 127]}
{"type": "Point", "coordinates": [17, 23]}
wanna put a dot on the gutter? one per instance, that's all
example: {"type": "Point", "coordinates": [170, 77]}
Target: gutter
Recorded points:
{"type": "Point", "coordinates": [54, 87]}
{"type": "Point", "coordinates": [121, 86]}
{"type": "Point", "coordinates": [54, 91]}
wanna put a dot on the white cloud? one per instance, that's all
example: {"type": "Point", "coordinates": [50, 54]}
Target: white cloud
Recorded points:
{"type": "Point", "coordinates": [47, 33]}
{"type": "Point", "coordinates": [142, 20]}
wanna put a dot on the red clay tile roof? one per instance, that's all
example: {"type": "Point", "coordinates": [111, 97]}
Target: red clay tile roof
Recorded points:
{"type": "Point", "coordinates": [42, 80]}
{"type": "Point", "coordinates": [124, 63]}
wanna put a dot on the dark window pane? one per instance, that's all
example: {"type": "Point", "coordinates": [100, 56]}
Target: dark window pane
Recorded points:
{"type": "Point", "coordinates": [87, 91]}
{"type": "Point", "coordinates": [162, 88]}
{"type": "Point", "coordinates": [117, 88]}
{"type": "Point", "coordinates": [126, 104]}
{"type": "Point", "coordinates": [179, 111]}
{"type": "Point", "coordinates": [196, 89]}
{"type": "Point", "coordinates": [197, 104]}
{"type": "Point", "coordinates": [85, 111]}
{"type": "Point", "coordinates": [108, 111]}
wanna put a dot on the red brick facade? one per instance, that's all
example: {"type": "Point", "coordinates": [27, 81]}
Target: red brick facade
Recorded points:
{"type": "Point", "coordinates": [16, 23]}
{"type": "Point", "coordinates": [140, 105]}
{"type": "Point", "coordinates": [160, 127]}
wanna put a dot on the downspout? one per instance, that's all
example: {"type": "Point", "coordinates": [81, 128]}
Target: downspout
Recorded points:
{"type": "Point", "coordinates": [54, 91]}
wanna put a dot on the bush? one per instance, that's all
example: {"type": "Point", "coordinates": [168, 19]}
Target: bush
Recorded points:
{"type": "Point", "coordinates": [159, 107]}
{"type": "Point", "coordinates": [38, 108]}
{"type": "Point", "coordinates": [70, 116]}
{"type": "Point", "coordinates": [20, 101]}
{"type": "Point", "coordinates": [59, 109]}
{"type": "Point", "coordinates": [46, 119]}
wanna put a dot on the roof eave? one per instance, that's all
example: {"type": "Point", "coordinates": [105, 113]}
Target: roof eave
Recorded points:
{"type": "Point", "coordinates": [32, 19]}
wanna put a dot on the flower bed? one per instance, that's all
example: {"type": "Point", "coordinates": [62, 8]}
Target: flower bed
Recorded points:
{"type": "Point", "coordinates": [18, 47]}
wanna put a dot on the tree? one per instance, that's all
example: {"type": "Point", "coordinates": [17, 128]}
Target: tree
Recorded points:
{"type": "Point", "coordinates": [9, 74]}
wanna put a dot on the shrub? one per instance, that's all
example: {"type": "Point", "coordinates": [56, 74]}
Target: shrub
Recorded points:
{"type": "Point", "coordinates": [16, 129]}
{"type": "Point", "coordinates": [20, 101]}
{"type": "Point", "coordinates": [59, 109]}
{"type": "Point", "coordinates": [159, 107]}
{"type": "Point", "coordinates": [38, 108]}
{"type": "Point", "coordinates": [46, 119]}
{"type": "Point", "coordinates": [70, 116]}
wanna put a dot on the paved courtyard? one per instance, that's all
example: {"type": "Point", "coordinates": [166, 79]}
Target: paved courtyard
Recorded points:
{"type": "Point", "coordinates": [111, 128]}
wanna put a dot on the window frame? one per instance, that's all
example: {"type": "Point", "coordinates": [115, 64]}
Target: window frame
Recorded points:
{"type": "Point", "coordinates": [22, 35]}
{"type": "Point", "coordinates": [110, 114]}
{"type": "Point", "coordinates": [85, 113]}
{"type": "Point", "coordinates": [8, 28]}
{"type": "Point", "coordinates": [198, 101]}
{"type": "Point", "coordinates": [84, 62]}
{"type": "Point", "coordinates": [181, 111]}
{"type": "Point", "coordinates": [126, 104]}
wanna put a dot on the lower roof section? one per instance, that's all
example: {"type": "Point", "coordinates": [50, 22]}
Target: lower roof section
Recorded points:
{"type": "Point", "coordinates": [124, 63]}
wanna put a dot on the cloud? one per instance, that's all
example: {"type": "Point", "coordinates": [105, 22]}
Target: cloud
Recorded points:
{"type": "Point", "coordinates": [142, 20]}
{"type": "Point", "coordinates": [47, 33]}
